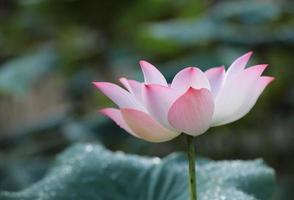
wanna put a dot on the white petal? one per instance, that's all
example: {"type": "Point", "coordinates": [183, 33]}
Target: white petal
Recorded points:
{"type": "Point", "coordinates": [247, 105]}
{"type": "Point", "coordinates": [216, 77]}
{"type": "Point", "coordinates": [234, 93]}
{"type": "Point", "coordinates": [118, 95]}
{"type": "Point", "coordinates": [238, 66]}
{"type": "Point", "coordinates": [151, 74]}
{"type": "Point", "coordinates": [134, 87]}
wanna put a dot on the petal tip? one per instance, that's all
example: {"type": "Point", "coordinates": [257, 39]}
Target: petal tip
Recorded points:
{"type": "Point", "coordinates": [143, 63]}
{"type": "Point", "coordinates": [269, 79]}
{"type": "Point", "coordinates": [104, 111]}
{"type": "Point", "coordinates": [249, 54]}
{"type": "Point", "coordinates": [190, 89]}
{"type": "Point", "coordinates": [193, 69]}
{"type": "Point", "coordinates": [101, 85]}
{"type": "Point", "coordinates": [123, 80]}
{"type": "Point", "coordinates": [272, 78]}
{"type": "Point", "coordinates": [97, 84]}
{"type": "Point", "coordinates": [193, 91]}
{"type": "Point", "coordinates": [258, 69]}
{"type": "Point", "coordinates": [262, 67]}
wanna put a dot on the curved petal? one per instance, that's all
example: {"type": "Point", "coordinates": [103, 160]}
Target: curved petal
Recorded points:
{"type": "Point", "coordinates": [261, 84]}
{"type": "Point", "coordinates": [238, 65]}
{"type": "Point", "coordinates": [118, 95]}
{"type": "Point", "coordinates": [189, 77]}
{"type": "Point", "coordinates": [152, 74]}
{"type": "Point", "coordinates": [192, 112]}
{"type": "Point", "coordinates": [234, 93]}
{"type": "Point", "coordinates": [255, 70]}
{"type": "Point", "coordinates": [146, 127]}
{"type": "Point", "coordinates": [115, 115]}
{"type": "Point", "coordinates": [158, 100]}
{"type": "Point", "coordinates": [216, 77]}
{"type": "Point", "coordinates": [125, 83]}
{"type": "Point", "coordinates": [134, 87]}
{"type": "Point", "coordinates": [253, 96]}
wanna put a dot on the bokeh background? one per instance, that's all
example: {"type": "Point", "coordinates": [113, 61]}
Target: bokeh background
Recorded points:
{"type": "Point", "coordinates": [51, 51]}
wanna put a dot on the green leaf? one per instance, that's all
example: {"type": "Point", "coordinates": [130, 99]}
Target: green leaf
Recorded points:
{"type": "Point", "coordinates": [92, 172]}
{"type": "Point", "coordinates": [249, 22]}
{"type": "Point", "coordinates": [18, 75]}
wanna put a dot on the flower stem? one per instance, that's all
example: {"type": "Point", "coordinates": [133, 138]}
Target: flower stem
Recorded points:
{"type": "Point", "coordinates": [192, 173]}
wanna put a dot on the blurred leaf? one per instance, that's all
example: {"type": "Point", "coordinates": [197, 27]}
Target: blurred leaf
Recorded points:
{"type": "Point", "coordinates": [18, 173]}
{"type": "Point", "coordinates": [78, 43]}
{"type": "Point", "coordinates": [18, 75]}
{"type": "Point", "coordinates": [92, 172]}
{"type": "Point", "coordinates": [184, 32]}
{"type": "Point", "coordinates": [250, 22]}
{"type": "Point", "coordinates": [249, 12]}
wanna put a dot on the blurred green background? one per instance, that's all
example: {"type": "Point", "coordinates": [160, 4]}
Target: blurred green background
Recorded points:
{"type": "Point", "coordinates": [51, 51]}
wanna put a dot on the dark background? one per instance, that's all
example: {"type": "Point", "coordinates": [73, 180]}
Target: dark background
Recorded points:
{"type": "Point", "coordinates": [51, 51]}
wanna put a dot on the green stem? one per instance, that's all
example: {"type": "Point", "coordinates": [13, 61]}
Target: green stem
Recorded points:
{"type": "Point", "coordinates": [192, 173]}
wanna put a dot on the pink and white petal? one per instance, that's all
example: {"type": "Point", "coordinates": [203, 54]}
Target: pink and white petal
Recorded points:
{"type": "Point", "coordinates": [116, 116]}
{"type": "Point", "coordinates": [146, 127]}
{"type": "Point", "coordinates": [158, 100]}
{"type": "Point", "coordinates": [152, 74]}
{"type": "Point", "coordinates": [125, 83]}
{"type": "Point", "coordinates": [247, 105]}
{"type": "Point", "coordinates": [134, 87]}
{"type": "Point", "coordinates": [118, 95]}
{"type": "Point", "coordinates": [216, 77]}
{"type": "Point", "coordinates": [192, 112]}
{"type": "Point", "coordinates": [137, 90]}
{"type": "Point", "coordinates": [234, 93]}
{"type": "Point", "coordinates": [190, 77]}
{"type": "Point", "coordinates": [255, 70]}
{"type": "Point", "coordinates": [261, 84]}
{"type": "Point", "coordinates": [238, 65]}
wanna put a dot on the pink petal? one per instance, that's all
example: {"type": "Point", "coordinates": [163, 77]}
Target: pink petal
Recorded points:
{"type": "Point", "coordinates": [216, 77]}
{"type": "Point", "coordinates": [115, 115]}
{"type": "Point", "coordinates": [158, 100]}
{"type": "Point", "coordinates": [234, 93]}
{"type": "Point", "coordinates": [238, 65]}
{"type": "Point", "coordinates": [146, 127]}
{"type": "Point", "coordinates": [125, 83]}
{"type": "Point", "coordinates": [190, 77]}
{"type": "Point", "coordinates": [247, 105]}
{"type": "Point", "coordinates": [192, 112]}
{"type": "Point", "coordinates": [134, 87]}
{"type": "Point", "coordinates": [152, 74]}
{"type": "Point", "coordinates": [118, 95]}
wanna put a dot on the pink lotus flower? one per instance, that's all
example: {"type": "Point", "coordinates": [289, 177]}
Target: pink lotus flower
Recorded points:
{"type": "Point", "coordinates": [157, 111]}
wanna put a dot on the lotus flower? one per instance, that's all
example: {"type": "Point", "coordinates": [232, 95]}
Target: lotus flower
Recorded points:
{"type": "Point", "coordinates": [194, 101]}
